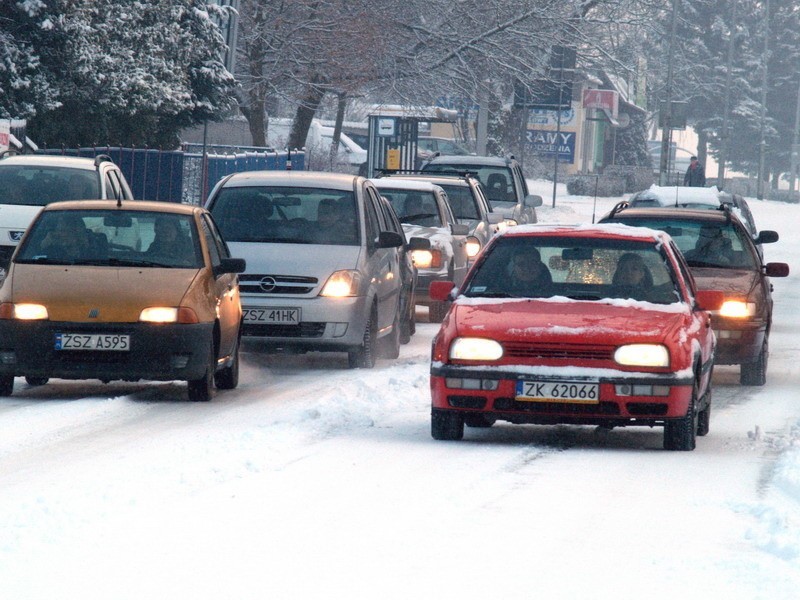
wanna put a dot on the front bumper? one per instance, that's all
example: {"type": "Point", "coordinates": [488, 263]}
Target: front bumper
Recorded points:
{"type": "Point", "coordinates": [738, 342]}
{"type": "Point", "coordinates": [611, 408]}
{"type": "Point", "coordinates": [326, 324]}
{"type": "Point", "coordinates": [160, 352]}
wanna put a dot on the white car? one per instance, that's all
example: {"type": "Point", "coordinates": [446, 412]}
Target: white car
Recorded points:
{"type": "Point", "coordinates": [30, 181]}
{"type": "Point", "coordinates": [424, 212]}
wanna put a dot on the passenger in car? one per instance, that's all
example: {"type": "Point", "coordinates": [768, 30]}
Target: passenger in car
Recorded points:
{"type": "Point", "coordinates": [529, 275]}
{"type": "Point", "coordinates": [170, 242]}
{"type": "Point", "coordinates": [71, 240]}
{"type": "Point", "coordinates": [632, 278]}
{"type": "Point", "coordinates": [335, 224]}
{"type": "Point", "coordinates": [712, 248]}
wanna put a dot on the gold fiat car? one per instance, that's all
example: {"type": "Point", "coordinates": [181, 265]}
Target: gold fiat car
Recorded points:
{"type": "Point", "coordinates": [113, 290]}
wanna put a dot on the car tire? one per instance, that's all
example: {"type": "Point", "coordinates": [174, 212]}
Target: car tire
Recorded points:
{"type": "Point", "coordinates": [704, 418]}
{"type": "Point", "coordinates": [478, 421]}
{"type": "Point", "coordinates": [228, 378]}
{"type": "Point", "coordinates": [446, 425]}
{"type": "Point", "coordinates": [437, 311]}
{"type": "Point", "coordinates": [680, 434]}
{"type": "Point", "coordinates": [363, 357]}
{"type": "Point", "coordinates": [6, 385]}
{"type": "Point", "coordinates": [202, 388]}
{"type": "Point", "coordinates": [755, 373]}
{"type": "Point", "coordinates": [36, 381]}
{"type": "Point", "coordinates": [390, 344]}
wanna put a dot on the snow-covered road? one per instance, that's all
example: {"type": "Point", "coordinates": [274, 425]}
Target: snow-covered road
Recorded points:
{"type": "Point", "coordinates": [315, 481]}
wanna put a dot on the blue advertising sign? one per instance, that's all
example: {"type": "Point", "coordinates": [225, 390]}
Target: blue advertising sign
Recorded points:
{"type": "Point", "coordinates": [547, 143]}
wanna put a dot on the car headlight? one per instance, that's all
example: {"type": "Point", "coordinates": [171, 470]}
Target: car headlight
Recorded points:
{"type": "Point", "coordinates": [342, 284]}
{"type": "Point", "coordinates": [642, 355]}
{"type": "Point", "coordinates": [473, 247]}
{"type": "Point", "coordinates": [427, 259]}
{"type": "Point", "coordinates": [23, 311]}
{"type": "Point", "coordinates": [468, 348]}
{"type": "Point", "coordinates": [168, 314]}
{"type": "Point", "coordinates": [737, 309]}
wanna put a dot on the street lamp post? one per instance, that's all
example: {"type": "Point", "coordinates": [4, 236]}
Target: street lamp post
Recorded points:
{"type": "Point", "coordinates": [666, 131]}
{"type": "Point", "coordinates": [723, 154]}
{"type": "Point", "coordinates": [762, 144]}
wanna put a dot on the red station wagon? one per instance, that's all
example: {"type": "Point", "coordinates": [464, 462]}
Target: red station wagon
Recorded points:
{"type": "Point", "coordinates": [585, 325]}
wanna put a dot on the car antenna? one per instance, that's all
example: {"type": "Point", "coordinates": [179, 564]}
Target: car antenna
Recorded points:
{"type": "Point", "coordinates": [119, 202]}
{"type": "Point", "coordinates": [288, 159]}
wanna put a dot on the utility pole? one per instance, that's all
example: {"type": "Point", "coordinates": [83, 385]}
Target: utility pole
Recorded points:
{"type": "Point", "coordinates": [762, 144]}
{"type": "Point", "coordinates": [723, 154]}
{"type": "Point", "coordinates": [666, 130]}
{"type": "Point", "coordinates": [795, 139]}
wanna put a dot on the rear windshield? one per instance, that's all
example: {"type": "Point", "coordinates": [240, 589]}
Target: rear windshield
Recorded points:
{"type": "Point", "coordinates": [705, 243]}
{"type": "Point", "coordinates": [116, 238]}
{"type": "Point", "coordinates": [414, 207]}
{"type": "Point", "coordinates": [291, 215]}
{"type": "Point", "coordinates": [577, 268]}
{"type": "Point", "coordinates": [36, 186]}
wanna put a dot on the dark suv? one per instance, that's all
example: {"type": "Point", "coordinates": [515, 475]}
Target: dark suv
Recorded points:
{"type": "Point", "coordinates": [502, 179]}
{"type": "Point", "coordinates": [722, 255]}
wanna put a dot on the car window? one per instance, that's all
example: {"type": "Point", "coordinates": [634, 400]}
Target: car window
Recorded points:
{"type": "Point", "coordinates": [462, 202]}
{"type": "Point", "coordinates": [293, 215]}
{"type": "Point", "coordinates": [705, 243]}
{"type": "Point", "coordinates": [115, 238]}
{"type": "Point", "coordinates": [373, 221]}
{"type": "Point", "coordinates": [578, 268]}
{"type": "Point", "coordinates": [222, 247]}
{"type": "Point", "coordinates": [112, 186]}
{"type": "Point", "coordinates": [497, 181]}
{"type": "Point", "coordinates": [37, 185]}
{"type": "Point", "coordinates": [414, 207]}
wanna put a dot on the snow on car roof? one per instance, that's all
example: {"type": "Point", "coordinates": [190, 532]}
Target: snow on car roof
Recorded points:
{"type": "Point", "coordinates": [616, 229]}
{"type": "Point", "coordinates": [684, 195]}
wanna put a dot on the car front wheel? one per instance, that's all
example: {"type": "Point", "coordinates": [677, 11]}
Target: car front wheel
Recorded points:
{"type": "Point", "coordinates": [755, 373]}
{"type": "Point", "coordinates": [201, 389]}
{"type": "Point", "coordinates": [228, 378]}
{"type": "Point", "coordinates": [446, 425]}
{"type": "Point", "coordinates": [680, 434]}
{"type": "Point", "coordinates": [363, 357]}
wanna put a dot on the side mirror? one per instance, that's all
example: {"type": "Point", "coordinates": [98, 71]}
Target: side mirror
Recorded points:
{"type": "Point", "coordinates": [459, 229]}
{"type": "Point", "coordinates": [230, 265]}
{"type": "Point", "coordinates": [390, 239]}
{"type": "Point", "coordinates": [418, 243]}
{"type": "Point", "coordinates": [440, 290]}
{"type": "Point", "coordinates": [495, 218]}
{"type": "Point", "coordinates": [766, 237]}
{"type": "Point", "coordinates": [776, 269]}
{"type": "Point", "coordinates": [709, 299]}
{"type": "Point", "coordinates": [533, 201]}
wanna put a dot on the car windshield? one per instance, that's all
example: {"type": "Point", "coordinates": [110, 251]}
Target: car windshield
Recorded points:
{"type": "Point", "coordinates": [414, 207]}
{"type": "Point", "coordinates": [39, 185]}
{"type": "Point", "coordinates": [461, 201]}
{"type": "Point", "coordinates": [112, 238]}
{"type": "Point", "coordinates": [705, 243]}
{"type": "Point", "coordinates": [292, 215]}
{"type": "Point", "coordinates": [577, 268]}
{"type": "Point", "coordinates": [497, 181]}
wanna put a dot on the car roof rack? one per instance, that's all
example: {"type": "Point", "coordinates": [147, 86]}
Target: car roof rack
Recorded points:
{"type": "Point", "coordinates": [618, 207]}
{"type": "Point", "coordinates": [101, 158]}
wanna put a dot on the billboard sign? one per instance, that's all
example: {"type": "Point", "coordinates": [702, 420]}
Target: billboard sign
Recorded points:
{"type": "Point", "coordinates": [607, 100]}
{"type": "Point", "coordinates": [5, 131]}
{"type": "Point", "coordinates": [550, 143]}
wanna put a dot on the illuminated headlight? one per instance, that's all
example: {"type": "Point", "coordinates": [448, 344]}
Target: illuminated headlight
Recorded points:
{"type": "Point", "coordinates": [159, 314]}
{"type": "Point", "coordinates": [342, 284]}
{"type": "Point", "coordinates": [473, 247]}
{"type": "Point", "coordinates": [427, 259]}
{"type": "Point", "coordinates": [24, 312]}
{"type": "Point", "coordinates": [642, 355]}
{"type": "Point", "coordinates": [475, 349]}
{"type": "Point", "coordinates": [168, 314]}
{"type": "Point", "coordinates": [737, 309]}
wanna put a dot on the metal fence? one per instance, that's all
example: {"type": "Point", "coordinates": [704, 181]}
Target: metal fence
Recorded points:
{"type": "Point", "coordinates": [177, 175]}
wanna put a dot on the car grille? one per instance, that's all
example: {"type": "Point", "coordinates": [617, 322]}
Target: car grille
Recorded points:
{"type": "Point", "coordinates": [558, 351]}
{"type": "Point", "coordinates": [276, 284]}
{"type": "Point", "coordinates": [603, 408]}
{"type": "Point", "coordinates": [303, 330]}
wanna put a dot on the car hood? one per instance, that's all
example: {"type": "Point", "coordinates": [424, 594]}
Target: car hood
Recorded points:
{"type": "Point", "coordinates": [303, 260]}
{"type": "Point", "coordinates": [118, 294]}
{"type": "Point", "coordinates": [547, 321]}
{"type": "Point", "coordinates": [14, 219]}
{"type": "Point", "coordinates": [734, 281]}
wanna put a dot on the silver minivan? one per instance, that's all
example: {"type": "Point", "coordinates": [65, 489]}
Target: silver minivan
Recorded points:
{"type": "Point", "coordinates": [323, 267]}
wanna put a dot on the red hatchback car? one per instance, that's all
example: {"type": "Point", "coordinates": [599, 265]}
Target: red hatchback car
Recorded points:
{"type": "Point", "coordinates": [586, 325]}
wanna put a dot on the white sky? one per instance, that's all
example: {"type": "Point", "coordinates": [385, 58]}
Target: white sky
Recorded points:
{"type": "Point", "coordinates": [315, 481]}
